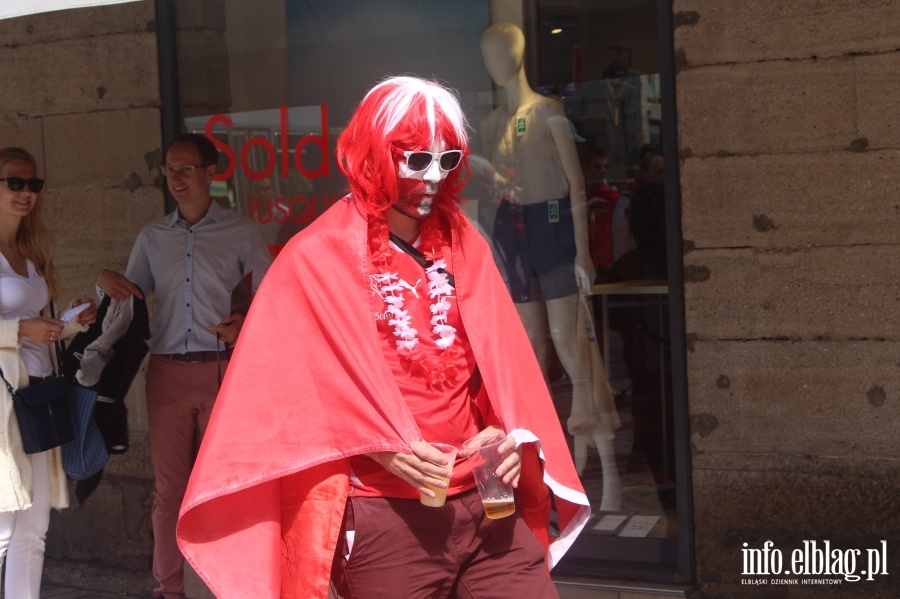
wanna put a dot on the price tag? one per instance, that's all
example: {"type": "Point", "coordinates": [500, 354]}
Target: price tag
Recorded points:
{"type": "Point", "coordinates": [553, 211]}
{"type": "Point", "coordinates": [520, 126]}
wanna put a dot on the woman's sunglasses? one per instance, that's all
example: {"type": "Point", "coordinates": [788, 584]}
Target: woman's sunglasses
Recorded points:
{"type": "Point", "coordinates": [18, 183]}
{"type": "Point", "coordinates": [418, 161]}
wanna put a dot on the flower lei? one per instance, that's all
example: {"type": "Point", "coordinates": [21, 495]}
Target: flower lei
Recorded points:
{"type": "Point", "coordinates": [436, 370]}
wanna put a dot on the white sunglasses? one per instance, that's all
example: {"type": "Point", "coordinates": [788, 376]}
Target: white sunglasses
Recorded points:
{"type": "Point", "coordinates": [418, 160]}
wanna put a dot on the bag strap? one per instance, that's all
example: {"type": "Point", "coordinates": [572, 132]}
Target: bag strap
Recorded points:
{"type": "Point", "coordinates": [62, 363]}
{"type": "Point", "coordinates": [6, 382]}
{"type": "Point", "coordinates": [420, 258]}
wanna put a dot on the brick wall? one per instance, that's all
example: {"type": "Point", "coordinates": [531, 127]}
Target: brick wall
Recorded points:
{"type": "Point", "coordinates": [789, 141]}
{"type": "Point", "coordinates": [81, 92]}
{"type": "Point", "coordinates": [789, 127]}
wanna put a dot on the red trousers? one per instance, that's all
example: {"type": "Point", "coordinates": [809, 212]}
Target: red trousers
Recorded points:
{"type": "Point", "coordinates": [180, 398]}
{"type": "Point", "coordinates": [403, 549]}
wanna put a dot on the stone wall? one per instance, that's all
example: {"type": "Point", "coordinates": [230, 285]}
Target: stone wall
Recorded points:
{"type": "Point", "coordinates": [789, 127]}
{"type": "Point", "coordinates": [789, 144]}
{"type": "Point", "coordinates": [204, 84]}
{"type": "Point", "coordinates": [81, 91]}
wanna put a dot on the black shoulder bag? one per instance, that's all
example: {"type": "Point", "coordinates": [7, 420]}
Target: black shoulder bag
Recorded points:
{"type": "Point", "coordinates": [42, 411]}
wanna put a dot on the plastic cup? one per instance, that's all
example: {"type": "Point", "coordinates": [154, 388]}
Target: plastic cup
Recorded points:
{"type": "Point", "coordinates": [496, 496]}
{"type": "Point", "coordinates": [440, 495]}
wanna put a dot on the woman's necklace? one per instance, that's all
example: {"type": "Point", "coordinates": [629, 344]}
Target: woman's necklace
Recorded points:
{"type": "Point", "coordinates": [436, 370]}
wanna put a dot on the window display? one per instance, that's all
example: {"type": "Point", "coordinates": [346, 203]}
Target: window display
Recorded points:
{"type": "Point", "coordinates": [565, 181]}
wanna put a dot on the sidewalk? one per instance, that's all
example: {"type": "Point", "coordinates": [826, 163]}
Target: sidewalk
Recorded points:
{"type": "Point", "coordinates": [74, 580]}
{"type": "Point", "coordinates": [53, 590]}
{"type": "Point", "coordinates": [58, 591]}
{"type": "Point", "coordinates": [91, 580]}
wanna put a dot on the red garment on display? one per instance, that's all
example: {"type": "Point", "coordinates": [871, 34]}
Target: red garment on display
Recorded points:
{"type": "Point", "coordinates": [600, 230]}
{"type": "Point", "coordinates": [308, 387]}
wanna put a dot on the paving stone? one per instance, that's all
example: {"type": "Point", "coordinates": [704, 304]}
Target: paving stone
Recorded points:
{"type": "Point", "coordinates": [785, 200]}
{"type": "Point", "coordinates": [752, 396]}
{"type": "Point", "coordinates": [767, 107]}
{"type": "Point", "coordinates": [81, 75]}
{"type": "Point", "coordinates": [818, 293]}
{"type": "Point", "coordinates": [725, 31]}
{"type": "Point", "coordinates": [40, 28]}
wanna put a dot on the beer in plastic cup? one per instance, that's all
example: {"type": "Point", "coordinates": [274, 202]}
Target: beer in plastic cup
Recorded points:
{"type": "Point", "coordinates": [496, 497]}
{"type": "Point", "coordinates": [440, 495]}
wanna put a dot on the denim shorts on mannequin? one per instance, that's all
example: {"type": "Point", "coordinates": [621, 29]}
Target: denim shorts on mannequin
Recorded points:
{"type": "Point", "coordinates": [536, 249]}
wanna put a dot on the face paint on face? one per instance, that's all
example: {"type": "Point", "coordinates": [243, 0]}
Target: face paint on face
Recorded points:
{"type": "Point", "coordinates": [418, 190]}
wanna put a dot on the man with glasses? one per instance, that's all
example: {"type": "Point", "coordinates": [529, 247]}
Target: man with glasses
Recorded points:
{"type": "Point", "coordinates": [388, 328]}
{"type": "Point", "coordinates": [191, 259]}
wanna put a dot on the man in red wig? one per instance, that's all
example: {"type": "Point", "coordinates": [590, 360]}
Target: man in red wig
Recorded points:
{"type": "Point", "coordinates": [354, 357]}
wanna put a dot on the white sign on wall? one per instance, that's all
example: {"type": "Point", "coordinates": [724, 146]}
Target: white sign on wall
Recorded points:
{"type": "Point", "coordinates": [20, 8]}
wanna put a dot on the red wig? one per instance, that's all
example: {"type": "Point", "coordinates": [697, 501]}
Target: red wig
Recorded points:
{"type": "Point", "coordinates": [401, 113]}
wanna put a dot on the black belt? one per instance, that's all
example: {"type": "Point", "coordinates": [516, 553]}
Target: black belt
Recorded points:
{"type": "Point", "coordinates": [192, 357]}
{"type": "Point", "coordinates": [34, 380]}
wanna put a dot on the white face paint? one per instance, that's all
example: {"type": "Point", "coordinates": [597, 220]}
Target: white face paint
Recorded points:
{"type": "Point", "coordinates": [419, 188]}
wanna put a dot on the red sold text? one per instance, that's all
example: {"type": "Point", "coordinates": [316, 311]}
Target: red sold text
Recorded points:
{"type": "Point", "coordinates": [319, 140]}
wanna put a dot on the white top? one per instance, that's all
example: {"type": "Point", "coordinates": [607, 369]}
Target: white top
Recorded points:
{"type": "Point", "coordinates": [22, 298]}
{"type": "Point", "coordinates": [522, 146]}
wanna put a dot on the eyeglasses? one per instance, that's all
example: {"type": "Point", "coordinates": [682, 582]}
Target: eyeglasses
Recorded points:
{"type": "Point", "coordinates": [18, 183]}
{"type": "Point", "coordinates": [418, 161]}
{"type": "Point", "coordinates": [185, 171]}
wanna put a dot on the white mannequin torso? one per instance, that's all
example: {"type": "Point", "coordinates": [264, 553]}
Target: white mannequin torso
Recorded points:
{"type": "Point", "coordinates": [520, 145]}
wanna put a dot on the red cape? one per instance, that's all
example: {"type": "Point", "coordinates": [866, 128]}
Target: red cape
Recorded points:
{"type": "Point", "coordinates": [308, 387]}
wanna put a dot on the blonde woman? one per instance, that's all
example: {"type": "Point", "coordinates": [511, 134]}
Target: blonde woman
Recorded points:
{"type": "Point", "coordinates": [30, 484]}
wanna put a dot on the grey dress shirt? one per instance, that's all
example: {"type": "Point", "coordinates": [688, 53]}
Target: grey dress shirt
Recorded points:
{"type": "Point", "coordinates": [192, 270]}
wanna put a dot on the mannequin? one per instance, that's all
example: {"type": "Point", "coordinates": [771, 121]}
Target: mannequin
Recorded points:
{"type": "Point", "coordinates": [541, 235]}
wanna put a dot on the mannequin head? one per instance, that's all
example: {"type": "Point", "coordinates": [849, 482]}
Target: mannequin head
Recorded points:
{"type": "Point", "coordinates": [401, 114]}
{"type": "Point", "coordinates": [503, 49]}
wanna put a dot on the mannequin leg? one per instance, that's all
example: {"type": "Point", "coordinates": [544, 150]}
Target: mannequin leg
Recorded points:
{"type": "Point", "coordinates": [612, 487]}
{"type": "Point", "coordinates": [534, 318]}
{"type": "Point", "coordinates": [561, 318]}
{"type": "Point", "coordinates": [575, 358]}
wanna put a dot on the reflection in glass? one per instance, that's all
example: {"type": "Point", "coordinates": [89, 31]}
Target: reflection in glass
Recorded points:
{"type": "Point", "coordinates": [541, 240]}
{"type": "Point", "coordinates": [612, 386]}
{"type": "Point", "coordinates": [583, 160]}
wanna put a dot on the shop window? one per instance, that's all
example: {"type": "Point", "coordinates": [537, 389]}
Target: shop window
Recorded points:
{"type": "Point", "coordinates": [274, 82]}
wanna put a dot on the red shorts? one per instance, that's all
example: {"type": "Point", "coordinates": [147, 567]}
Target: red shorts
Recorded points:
{"type": "Point", "coordinates": [403, 549]}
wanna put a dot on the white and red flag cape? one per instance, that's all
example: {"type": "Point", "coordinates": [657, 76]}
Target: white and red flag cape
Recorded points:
{"type": "Point", "coordinates": [308, 387]}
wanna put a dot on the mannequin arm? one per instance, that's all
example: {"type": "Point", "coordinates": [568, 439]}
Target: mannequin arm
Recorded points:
{"type": "Point", "coordinates": [568, 154]}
